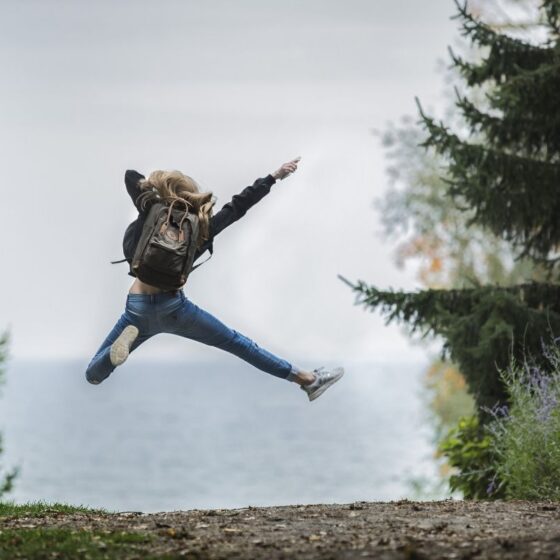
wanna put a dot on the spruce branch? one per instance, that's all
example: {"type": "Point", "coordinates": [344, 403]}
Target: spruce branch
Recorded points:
{"type": "Point", "coordinates": [507, 55]}
{"type": "Point", "coordinates": [552, 11]}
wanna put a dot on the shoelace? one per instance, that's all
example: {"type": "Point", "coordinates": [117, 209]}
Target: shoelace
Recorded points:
{"type": "Point", "coordinates": [321, 375]}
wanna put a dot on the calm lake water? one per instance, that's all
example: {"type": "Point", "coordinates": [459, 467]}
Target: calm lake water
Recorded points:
{"type": "Point", "coordinates": [165, 436]}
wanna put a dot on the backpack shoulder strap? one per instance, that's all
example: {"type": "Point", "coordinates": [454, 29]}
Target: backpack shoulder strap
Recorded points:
{"type": "Point", "coordinates": [211, 251]}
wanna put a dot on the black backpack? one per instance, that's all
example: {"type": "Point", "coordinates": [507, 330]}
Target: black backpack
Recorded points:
{"type": "Point", "coordinates": [165, 251]}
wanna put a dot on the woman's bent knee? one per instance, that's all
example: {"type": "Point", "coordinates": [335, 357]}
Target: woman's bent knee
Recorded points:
{"type": "Point", "coordinates": [96, 377]}
{"type": "Point", "coordinates": [99, 368]}
{"type": "Point", "coordinates": [92, 379]}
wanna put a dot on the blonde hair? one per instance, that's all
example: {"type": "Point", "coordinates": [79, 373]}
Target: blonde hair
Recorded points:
{"type": "Point", "coordinates": [167, 186]}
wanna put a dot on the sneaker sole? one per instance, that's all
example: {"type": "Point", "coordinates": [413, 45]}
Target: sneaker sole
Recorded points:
{"type": "Point", "coordinates": [322, 389]}
{"type": "Point", "coordinates": [121, 347]}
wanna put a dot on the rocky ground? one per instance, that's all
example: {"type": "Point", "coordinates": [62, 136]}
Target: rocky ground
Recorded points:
{"type": "Point", "coordinates": [394, 530]}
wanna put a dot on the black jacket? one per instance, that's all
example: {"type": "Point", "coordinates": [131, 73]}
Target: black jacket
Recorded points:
{"type": "Point", "coordinates": [229, 213]}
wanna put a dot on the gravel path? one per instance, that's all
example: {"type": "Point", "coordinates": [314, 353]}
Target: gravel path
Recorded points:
{"type": "Point", "coordinates": [393, 530]}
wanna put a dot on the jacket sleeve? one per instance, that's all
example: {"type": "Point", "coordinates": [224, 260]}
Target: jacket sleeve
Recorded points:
{"type": "Point", "coordinates": [239, 204]}
{"type": "Point", "coordinates": [236, 208]}
{"type": "Point", "coordinates": [131, 179]}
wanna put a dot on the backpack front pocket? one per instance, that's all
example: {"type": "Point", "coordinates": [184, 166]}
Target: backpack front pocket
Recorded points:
{"type": "Point", "coordinates": [160, 256]}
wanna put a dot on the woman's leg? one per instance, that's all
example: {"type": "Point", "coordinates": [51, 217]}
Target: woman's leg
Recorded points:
{"type": "Point", "coordinates": [190, 321]}
{"type": "Point", "coordinates": [100, 366]}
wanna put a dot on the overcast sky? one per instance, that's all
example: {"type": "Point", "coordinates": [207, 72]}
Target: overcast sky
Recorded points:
{"type": "Point", "coordinates": [226, 92]}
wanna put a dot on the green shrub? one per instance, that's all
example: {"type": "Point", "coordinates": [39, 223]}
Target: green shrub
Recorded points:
{"type": "Point", "coordinates": [470, 452]}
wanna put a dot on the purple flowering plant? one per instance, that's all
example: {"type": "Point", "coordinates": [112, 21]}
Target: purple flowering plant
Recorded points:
{"type": "Point", "coordinates": [525, 436]}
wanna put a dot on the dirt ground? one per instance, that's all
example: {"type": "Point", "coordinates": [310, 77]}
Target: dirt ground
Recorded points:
{"type": "Point", "coordinates": [393, 530]}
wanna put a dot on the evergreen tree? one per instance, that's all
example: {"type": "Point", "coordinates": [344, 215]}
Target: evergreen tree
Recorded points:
{"type": "Point", "coordinates": [503, 170]}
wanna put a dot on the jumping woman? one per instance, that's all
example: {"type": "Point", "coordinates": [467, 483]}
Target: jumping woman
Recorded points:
{"type": "Point", "coordinates": [150, 310]}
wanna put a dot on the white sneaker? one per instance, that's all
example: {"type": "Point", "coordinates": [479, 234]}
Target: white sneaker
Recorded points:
{"type": "Point", "coordinates": [121, 347]}
{"type": "Point", "coordinates": [323, 380]}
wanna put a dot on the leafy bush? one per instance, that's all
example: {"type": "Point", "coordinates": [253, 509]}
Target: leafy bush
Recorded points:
{"type": "Point", "coordinates": [470, 452]}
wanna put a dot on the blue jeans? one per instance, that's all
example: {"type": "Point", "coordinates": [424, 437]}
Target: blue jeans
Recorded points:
{"type": "Point", "coordinates": [172, 312]}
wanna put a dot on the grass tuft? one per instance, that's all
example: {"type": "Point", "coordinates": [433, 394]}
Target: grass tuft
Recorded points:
{"type": "Point", "coordinates": [41, 509]}
{"type": "Point", "coordinates": [69, 544]}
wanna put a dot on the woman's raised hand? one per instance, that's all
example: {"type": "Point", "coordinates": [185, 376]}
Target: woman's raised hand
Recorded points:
{"type": "Point", "coordinates": [286, 169]}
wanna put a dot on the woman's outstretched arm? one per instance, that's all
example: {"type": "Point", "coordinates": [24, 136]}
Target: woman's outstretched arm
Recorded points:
{"type": "Point", "coordinates": [240, 203]}
{"type": "Point", "coordinates": [249, 196]}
